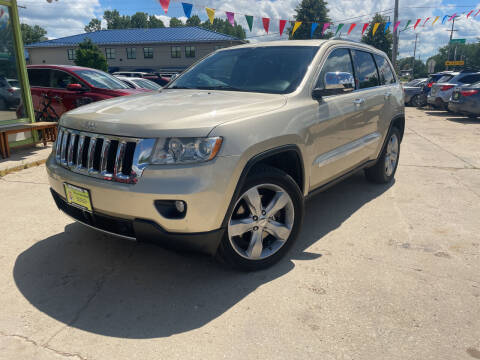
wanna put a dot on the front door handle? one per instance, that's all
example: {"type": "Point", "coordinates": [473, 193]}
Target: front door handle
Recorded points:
{"type": "Point", "coordinates": [358, 101]}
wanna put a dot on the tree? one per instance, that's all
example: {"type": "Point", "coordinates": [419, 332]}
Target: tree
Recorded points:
{"type": "Point", "coordinates": [115, 20]}
{"type": "Point", "coordinates": [470, 53]}
{"type": "Point", "coordinates": [139, 20]}
{"type": "Point", "coordinates": [419, 69]}
{"type": "Point", "coordinates": [193, 20]}
{"type": "Point", "coordinates": [32, 34]}
{"type": "Point", "coordinates": [174, 22]}
{"type": "Point", "coordinates": [310, 11]}
{"type": "Point", "coordinates": [382, 40]}
{"type": "Point", "coordinates": [154, 22]}
{"type": "Point", "coordinates": [93, 25]}
{"type": "Point", "coordinates": [89, 55]}
{"type": "Point", "coordinates": [224, 27]}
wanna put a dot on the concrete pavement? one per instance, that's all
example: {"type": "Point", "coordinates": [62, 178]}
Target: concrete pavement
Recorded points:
{"type": "Point", "coordinates": [379, 272]}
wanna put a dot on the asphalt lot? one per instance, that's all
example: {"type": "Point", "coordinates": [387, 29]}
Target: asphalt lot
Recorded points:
{"type": "Point", "coordinates": [379, 272]}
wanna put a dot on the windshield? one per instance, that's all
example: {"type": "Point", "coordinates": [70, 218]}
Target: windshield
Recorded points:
{"type": "Point", "coordinates": [269, 69]}
{"type": "Point", "coordinates": [100, 79]}
{"type": "Point", "coordinates": [146, 84]}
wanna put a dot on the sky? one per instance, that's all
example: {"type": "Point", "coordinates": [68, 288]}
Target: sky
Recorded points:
{"type": "Point", "coordinates": [68, 17]}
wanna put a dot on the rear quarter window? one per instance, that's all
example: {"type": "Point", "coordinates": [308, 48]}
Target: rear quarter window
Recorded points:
{"type": "Point", "coordinates": [366, 70]}
{"type": "Point", "coordinates": [386, 74]}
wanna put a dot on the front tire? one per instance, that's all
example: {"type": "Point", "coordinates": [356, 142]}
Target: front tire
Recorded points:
{"type": "Point", "coordinates": [384, 170]}
{"type": "Point", "coordinates": [264, 222]}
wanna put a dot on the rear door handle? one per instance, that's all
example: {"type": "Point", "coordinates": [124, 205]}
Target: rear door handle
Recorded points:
{"type": "Point", "coordinates": [358, 101]}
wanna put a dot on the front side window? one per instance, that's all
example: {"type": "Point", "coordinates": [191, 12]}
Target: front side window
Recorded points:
{"type": "Point", "coordinates": [110, 53]}
{"type": "Point", "coordinates": [176, 51]}
{"type": "Point", "coordinates": [386, 73]}
{"type": "Point", "coordinates": [100, 79]}
{"type": "Point", "coordinates": [339, 60]}
{"type": "Point", "coordinates": [71, 54]}
{"type": "Point", "coordinates": [190, 51]}
{"type": "Point", "coordinates": [131, 53]}
{"type": "Point", "coordinates": [148, 53]}
{"type": "Point", "coordinates": [365, 69]}
{"type": "Point", "coordinates": [61, 79]}
{"type": "Point", "coordinates": [269, 69]}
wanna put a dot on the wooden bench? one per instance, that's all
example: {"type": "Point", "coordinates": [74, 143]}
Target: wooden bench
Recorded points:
{"type": "Point", "coordinates": [48, 129]}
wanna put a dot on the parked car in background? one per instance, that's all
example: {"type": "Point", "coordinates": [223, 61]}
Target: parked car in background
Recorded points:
{"type": "Point", "coordinates": [139, 83]}
{"type": "Point", "coordinates": [413, 92]}
{"type": "Point", "coordinates": [442, 90]}
{"type": "Point", "coordinates": [466, 100]}
{"type": "Point", "coordinates": [60, 88]}
{"type": "Point", "coordinates": [9, 93]}
{"type": "Point", "coordinates": [160, 80]}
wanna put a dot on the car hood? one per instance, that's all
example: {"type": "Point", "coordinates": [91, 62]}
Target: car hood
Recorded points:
{"type": "Point", "coordinates": [169, 112]}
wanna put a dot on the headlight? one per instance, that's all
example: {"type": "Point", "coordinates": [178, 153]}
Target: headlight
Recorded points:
{"type": "Point", "coordinates": [185, 150]}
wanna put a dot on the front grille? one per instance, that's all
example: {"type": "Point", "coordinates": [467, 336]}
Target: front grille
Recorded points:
{"type": "Point", "coordinates": [107, 157]}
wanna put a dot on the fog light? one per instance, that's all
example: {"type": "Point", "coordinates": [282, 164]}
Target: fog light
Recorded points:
{"type": "Point", "coordinates": [180, 206]}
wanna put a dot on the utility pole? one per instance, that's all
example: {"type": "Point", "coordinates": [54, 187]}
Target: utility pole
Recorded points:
{"type": "Point", "coordinates": [451, 37]}
{"type": "Point", "coordinates": [414, 54]}
{"type": "Point", "coordinates": [395, 37]}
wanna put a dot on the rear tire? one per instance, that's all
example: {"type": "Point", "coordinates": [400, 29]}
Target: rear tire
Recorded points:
{"type": "Point", "coordinates": [415, 101]}
{"type": "Point", "coordinates": [384, 170]}
{"type": "Point", "coordinates": [264, 222]}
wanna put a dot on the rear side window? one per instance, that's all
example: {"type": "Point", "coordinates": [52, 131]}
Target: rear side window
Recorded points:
{"type": "Point", "coordinates": [338, 61]}
{"type": "Point", "coordinates": [445, 78]}
{"type": "Point", "coordinates": [39, 77]}
{"type": "Point", "coordinates": [365, 69]}
{"type": "Point", "coordinates": [386, 73]}
{"type": "Point", "coordinates": [470, 79]}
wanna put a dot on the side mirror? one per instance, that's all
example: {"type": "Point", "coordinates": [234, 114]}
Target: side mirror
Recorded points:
{"type": "Point", "coordinates": [75, 87]}
{"type": "Point", "coordinates": [335, 83]}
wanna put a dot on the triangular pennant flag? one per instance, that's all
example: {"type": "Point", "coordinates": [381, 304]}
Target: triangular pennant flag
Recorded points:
{"type": "Point", "coordinates": [396, 26]}
{"type": "Point", "coordinates": [452, 17]}
{"type": "Point", "coordinates": [408, 23]}
{"type": "Point", "coordinates": [230, 17]}
{"type": "Point", "coordinates": [266, 23]}
{"type": "Point", "coordinates": [375, 27]}
{"type": "Point", "coordinates": [187, 9]}
{"type": "Point", "coordinates": [351, 28]}
{"type": "Point", "coordinates": [425, 21]}
{"type": "Point", "coordinates": [296, 26]}
{"type": "Point", "coordinates": [211, 14]}
{"type": "Point", "coordinates": [365, 27]}
{"type": "Point", "coordinates": [387, 25]}
{"type": "Point", "coordinates": [339, 27]}
{"type": "Point", "coordinates": [165, 4]}
{"type": "Point", "coordinates": [312, 29]}
{"type": "Point", "coordinates": [444, 18]}
{"type": "Point", "coordinates": [282, 26]}
{"type": "Point", "coordinates": [416, 23]}
{"type": "Point", "coordinates": [476, 13]}
{"type": "Point", "coordinates": [249, 19]}
{"type": "Point", "coordinates": [434, 21]}
{"type": "Point", "coordinates": [325, 27]}
{"type": "Point", "coordinates": [470, 13]}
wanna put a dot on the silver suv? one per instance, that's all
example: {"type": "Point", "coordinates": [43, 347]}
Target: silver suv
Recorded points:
{"type": "Point", "coordinates": [222, 159]}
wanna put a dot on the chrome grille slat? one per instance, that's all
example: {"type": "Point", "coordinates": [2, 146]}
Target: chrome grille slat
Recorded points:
{"type": "Point", "coordinates": [71, 145]}
{"type": "Point", "coordinates": [94, 155]}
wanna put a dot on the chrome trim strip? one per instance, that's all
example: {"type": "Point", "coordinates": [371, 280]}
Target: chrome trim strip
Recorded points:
{"type": "Point", "coordinates": [345, 150]}
{"type": "Point", "coordinates": [58, 144]}
{"type": "Point", "coordinates": [71, 145]}
{"type": "Point", "coordinates": [63, 151]}
{"type": "Point", "coordinates": [101, 230]}
{"type": "Point", "coordinates": [81, 145]}
{"type": "Point", "coordinates": [104, 160]}
{"type": "Point", "coordinates": [91, 153]}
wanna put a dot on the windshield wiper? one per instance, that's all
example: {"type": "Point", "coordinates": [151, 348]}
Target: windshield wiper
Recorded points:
{"type": "Point", "coordinates": [220, 87]}
{"type": "Point", "coordinates": [179, 87]}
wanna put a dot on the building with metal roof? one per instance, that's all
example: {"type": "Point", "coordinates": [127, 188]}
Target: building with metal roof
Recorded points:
{"type": "Point", "coordinates": [159, 49]}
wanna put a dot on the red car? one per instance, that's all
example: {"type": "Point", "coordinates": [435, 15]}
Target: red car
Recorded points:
{"type": "Point", "coordinates": [60, 88]}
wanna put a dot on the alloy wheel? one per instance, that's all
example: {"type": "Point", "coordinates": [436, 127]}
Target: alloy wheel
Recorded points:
{"type": "Point", "coordinates": [261, 222]}
{"type": "Point", "coordinates": [391, 156]}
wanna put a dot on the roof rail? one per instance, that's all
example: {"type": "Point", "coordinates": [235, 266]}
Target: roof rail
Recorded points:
{"type": "Point", "coordinates": [469, 70]}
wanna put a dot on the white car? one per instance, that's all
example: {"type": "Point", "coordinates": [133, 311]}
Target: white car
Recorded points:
{"type": "Point", "coordinates": [139, 83]}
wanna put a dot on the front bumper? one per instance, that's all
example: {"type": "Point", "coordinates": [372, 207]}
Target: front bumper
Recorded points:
{"type": "Point", "coordinates": [206, 188]}
{"type": "Point", "coordinates": [142, 230]}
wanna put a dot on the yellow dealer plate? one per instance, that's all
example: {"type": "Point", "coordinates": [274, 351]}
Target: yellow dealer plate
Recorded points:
{"type": "Point", "coordinates": [78, 197]}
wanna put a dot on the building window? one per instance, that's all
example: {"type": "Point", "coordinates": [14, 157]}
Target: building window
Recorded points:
{"type": "Point", "coordinates": [110, 53]}
{"type": "Point", "coordinates": [176, 52]}
{"type": "Point", "coordinates": [148, 53]}
{"type": "Point", "coordinates": [71, 54]}
{"type": "Point", "coordinates": [131, 53]}
{"type": "Point", "coordinates": [190, 51]}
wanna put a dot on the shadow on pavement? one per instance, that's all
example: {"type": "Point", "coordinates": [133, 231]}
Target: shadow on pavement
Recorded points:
{"type": "Point", "coordinates": [118, 288]}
